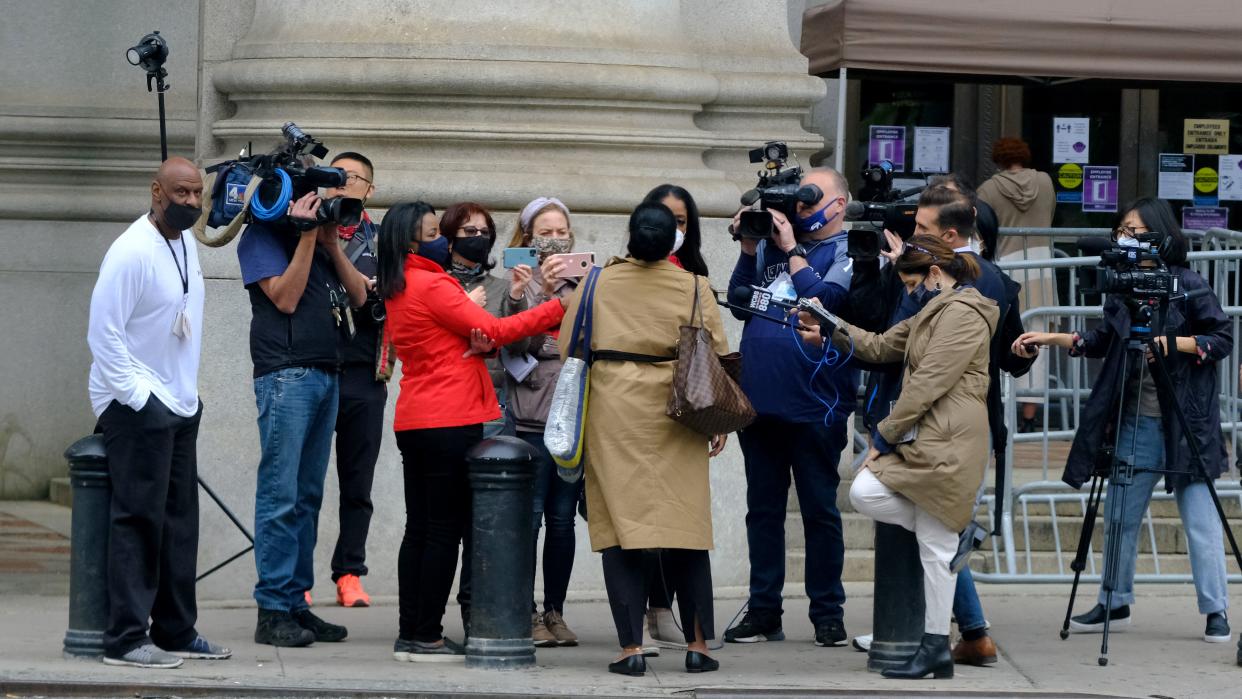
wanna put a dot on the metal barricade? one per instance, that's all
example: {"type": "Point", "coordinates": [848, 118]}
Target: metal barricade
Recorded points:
{"type": "Point", "coordinates": [1042, 507]}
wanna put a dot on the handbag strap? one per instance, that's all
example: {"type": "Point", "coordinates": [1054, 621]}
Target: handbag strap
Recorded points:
{"type": "Point", "coordinates": [696, 308]}
{"type": "Point", "coordinates": [583, 319]}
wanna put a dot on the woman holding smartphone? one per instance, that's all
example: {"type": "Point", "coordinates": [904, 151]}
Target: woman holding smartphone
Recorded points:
{"type": "Point", "coordinates": [543, 226]}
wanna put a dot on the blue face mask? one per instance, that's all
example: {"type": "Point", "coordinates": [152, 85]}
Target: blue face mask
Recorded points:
{"type": "Point", "coordinates": [435, 250]}
{"type": "Point", "coordinates": [817, 220]}
{"type": "Point", "coordinates": [921, 295]}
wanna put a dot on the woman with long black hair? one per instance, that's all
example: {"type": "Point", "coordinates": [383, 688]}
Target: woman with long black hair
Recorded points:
{"type": "Point", "coordinates": [687, 248]}
{"type": "Point", "coordinates": [445, 398]}
{"type": "Point", "coordinates": [1149, 436]}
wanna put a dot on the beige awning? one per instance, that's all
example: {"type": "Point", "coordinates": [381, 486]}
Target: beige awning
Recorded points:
{"type": "Point", "coordinates": [1136, 40]}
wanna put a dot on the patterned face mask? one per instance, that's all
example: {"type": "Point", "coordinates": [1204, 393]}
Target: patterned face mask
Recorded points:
{"type": "Point", "coordinates": [551, 246]}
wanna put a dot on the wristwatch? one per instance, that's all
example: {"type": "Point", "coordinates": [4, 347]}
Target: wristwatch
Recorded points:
{"type": "Point", "coordinates": [798, 251]}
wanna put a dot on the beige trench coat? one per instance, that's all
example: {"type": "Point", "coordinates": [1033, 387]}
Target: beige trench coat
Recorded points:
{"type": "Point", "coordinates": [646, 475]}
{"type": "Point", "coordinates": [943, 395]}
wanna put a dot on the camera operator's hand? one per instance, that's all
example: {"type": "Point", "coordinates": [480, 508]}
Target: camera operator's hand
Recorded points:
{"type": "Point", "coordinates": [717, 444]}
{"type": "Point", "coordinates": [478, 295]}
{"type": "Point", "coordinates": [895, 246]}
{"type": "Point", "coordinates": [305, 209]}
{"type": "Point", "coordinates": [782, 233]}
{"type": "Point", "coordinates": [520, 278]}
{"type": "Point", "coordinates": [551, 270]}
{"type": "Point", "coordinates": [750, 246]}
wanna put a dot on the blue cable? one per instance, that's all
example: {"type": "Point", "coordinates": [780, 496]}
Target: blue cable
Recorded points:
{"type": "Point", "coordinates": [279, 207]}
{"type": "Point", "coordinates": [831, 358]}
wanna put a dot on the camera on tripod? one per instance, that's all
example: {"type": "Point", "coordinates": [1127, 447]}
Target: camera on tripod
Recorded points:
{"type": "Point", "coordinates": [778, 189]}
{"type": "Point", "coordinates": [1137, 272]}
{"type": "Point", "coordinates": [286, 174]}
{"type": "Point", "coordinates": [879, 205]}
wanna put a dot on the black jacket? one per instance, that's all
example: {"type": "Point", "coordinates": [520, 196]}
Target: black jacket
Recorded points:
{"type": "Point", "coordinates": [1194, 379]}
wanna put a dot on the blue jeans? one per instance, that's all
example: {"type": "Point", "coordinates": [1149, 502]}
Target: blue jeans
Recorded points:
{"type": "Point", "coordinates": [297, 414]}
{"type": "Point", "coordinates": [557, 502]}
{"type": "Point", "coordinates": [967, 609]}
{"type": "Point", "coordinates": [1194, 503]}
{"type": "Point", "coordinates": [773, 450]}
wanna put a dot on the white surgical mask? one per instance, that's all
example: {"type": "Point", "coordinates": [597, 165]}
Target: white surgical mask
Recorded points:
{"type": "Point", "coordinates": [1126, 241]}
{"type": "Point", "coordinates": [678, 240]}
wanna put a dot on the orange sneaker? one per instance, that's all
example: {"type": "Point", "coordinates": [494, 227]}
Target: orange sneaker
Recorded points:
{"type": "Point", "coordinates": [349, 592]}
{"type": "Point", "coordinates": [309, 603]}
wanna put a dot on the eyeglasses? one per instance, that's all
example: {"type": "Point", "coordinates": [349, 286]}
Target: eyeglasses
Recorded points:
{"type": "Point", "coordinates": [1128, 231]}
{"type": "Point", "coordinates": [352, 178]}
{"type": "Point", "coordinates": [473, 230]}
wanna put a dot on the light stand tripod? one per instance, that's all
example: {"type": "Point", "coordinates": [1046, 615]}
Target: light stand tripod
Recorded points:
{"type": "Point", "coordinates": [149, 54]}
{"type": "Point", "coordinates": [1147, 321]}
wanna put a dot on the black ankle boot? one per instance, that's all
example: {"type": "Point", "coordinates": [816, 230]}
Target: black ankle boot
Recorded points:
{"type": "Point", "coordinates": [932, 657]}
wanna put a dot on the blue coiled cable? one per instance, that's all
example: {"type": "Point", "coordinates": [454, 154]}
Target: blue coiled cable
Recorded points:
{"type": "Point", "coordinates": [831, 357]}
{"type": "Point", "coordinates": [279, 207]}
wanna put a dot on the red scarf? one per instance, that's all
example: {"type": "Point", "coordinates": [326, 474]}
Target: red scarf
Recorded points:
{"type": "Point", "coordinates": [347, 232]}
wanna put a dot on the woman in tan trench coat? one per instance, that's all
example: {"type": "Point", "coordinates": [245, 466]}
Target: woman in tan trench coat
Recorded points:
{"type": "Point", "coordinates": [928, 455]}
{"type": "Point", "coordinates": [646, 475]}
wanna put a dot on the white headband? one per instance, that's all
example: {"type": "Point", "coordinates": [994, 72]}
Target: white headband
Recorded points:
{"type": "Point", "coordinates": [528, 213]}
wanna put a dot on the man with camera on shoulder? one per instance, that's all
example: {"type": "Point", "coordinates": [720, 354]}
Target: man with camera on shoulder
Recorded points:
{"type": "Point", "coordinates": [302, 287]}
{"type": "Point", "coordinates": [801, 428]}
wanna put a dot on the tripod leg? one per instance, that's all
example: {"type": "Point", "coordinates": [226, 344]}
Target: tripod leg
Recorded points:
{"type": "Point", "coordinates": [1084, 544]}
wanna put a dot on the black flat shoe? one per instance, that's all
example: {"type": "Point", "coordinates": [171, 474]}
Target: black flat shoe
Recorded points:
{"type": "Point", "coordinates": [700, 662]}
{"type": "Point", "coordinates": [632, 665]}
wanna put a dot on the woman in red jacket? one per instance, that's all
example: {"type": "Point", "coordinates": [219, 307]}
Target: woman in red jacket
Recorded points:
{"type": "Point", "coordinates": [446, 395]}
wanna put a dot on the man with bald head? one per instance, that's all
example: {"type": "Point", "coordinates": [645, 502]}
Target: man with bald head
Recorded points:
{"type": "Point", "coordinates": [802, 411]}
{"type": "Point", "coordinates": [145, 333]}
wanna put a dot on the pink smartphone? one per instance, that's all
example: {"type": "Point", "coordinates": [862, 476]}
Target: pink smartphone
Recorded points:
{"type": "Point", "coordinates": [577, 264]}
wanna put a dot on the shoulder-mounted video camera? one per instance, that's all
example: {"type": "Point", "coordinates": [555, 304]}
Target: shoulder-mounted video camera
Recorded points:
{"type": "Point", "coordinates": [879, 205]}
{"type": "Point", "coordinates": [285, 175]}
{"type": "Point", "coordinates": [778, 190]}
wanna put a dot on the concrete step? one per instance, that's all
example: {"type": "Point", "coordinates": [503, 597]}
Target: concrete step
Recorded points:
{"type": "Point", "coordinates": [1159, 508]}
{"type": "Point", "coordinates": [1169, 535]}
{"type": "Point", "coordinates": [60, 492]}
{"type": "Point", "coordinates": [1045, 562]}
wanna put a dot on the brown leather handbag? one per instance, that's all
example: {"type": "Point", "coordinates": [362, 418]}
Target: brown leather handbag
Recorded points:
{"type": "Point", "coordinates": [706, 396]}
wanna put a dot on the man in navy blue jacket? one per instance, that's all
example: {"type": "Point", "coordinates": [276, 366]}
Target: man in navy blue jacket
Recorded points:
{"type": "Point", "coordinates": [803, 409]}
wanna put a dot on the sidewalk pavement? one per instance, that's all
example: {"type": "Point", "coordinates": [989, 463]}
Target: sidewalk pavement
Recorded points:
{"type": "Point", "coordinates": [1161, 656]}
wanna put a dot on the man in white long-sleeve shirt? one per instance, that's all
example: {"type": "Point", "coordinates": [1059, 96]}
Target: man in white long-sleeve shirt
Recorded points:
{"type": "Point", "coordinates": [145, 334]}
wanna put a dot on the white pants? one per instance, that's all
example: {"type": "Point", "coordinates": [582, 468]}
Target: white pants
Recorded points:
{"type": "Point", "coordinates": [937, 544]}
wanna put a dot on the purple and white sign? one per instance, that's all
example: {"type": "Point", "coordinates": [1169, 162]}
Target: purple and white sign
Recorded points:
{"type": "Point", "coordinates": [1201, 218]}
{"type": "Point", "coordinates": [888, 143]}
{"type": "Point", "coordinates": [1099, 189]}
{"type": "Point", "coordinates": [1071, 140]}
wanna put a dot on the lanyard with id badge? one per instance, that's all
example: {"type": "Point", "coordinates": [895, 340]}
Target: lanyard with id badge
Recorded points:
{"type": "Point", "coordinates": [181, 324]}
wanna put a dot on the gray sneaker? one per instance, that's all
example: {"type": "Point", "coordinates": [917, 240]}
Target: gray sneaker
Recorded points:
{"type": "Point", "coordinates": [146, 655]}
{"type": "Point", "coordinates": [202, 649]}
{"type": "Point", "coordinates": [411, 651]}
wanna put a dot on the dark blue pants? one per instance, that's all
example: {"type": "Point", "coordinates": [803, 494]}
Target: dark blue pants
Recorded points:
{"type": "Point", "coordinates": [775, 449]}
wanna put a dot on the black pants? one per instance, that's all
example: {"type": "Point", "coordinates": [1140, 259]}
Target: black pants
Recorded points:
{"type": "Point", "coordinates": [153, 539]}
{"type": "Point", "coordinates": [359, 429]}
{"type": "Point", "coordinates": [686, 572]}
{"type": "Point", "coordinates": [437, 513]}
{"type": "Point", "coordinates": [659, 595]}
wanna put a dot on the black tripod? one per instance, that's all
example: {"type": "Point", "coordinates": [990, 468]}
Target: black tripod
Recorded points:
{"type": "Point", "coordinates": [1147, 324]}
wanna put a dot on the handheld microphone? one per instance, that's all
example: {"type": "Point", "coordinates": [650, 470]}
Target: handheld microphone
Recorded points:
{"type": "Point", "coordinates": [754, 300]}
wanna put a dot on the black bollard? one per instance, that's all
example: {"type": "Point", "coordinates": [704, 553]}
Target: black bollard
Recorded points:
{"type": "Point", "coordinates": [897, 617]}
{"type": "Point", "coordinates": [502, 473]}
{"type": "Point", "coordinates": [88, 562]}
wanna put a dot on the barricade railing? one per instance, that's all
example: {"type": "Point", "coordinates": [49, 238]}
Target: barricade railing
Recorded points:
{"type": "Point", "coordinates": [1066, 384]}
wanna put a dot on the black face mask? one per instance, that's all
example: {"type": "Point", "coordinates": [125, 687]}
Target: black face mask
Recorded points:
{"type": "Point", "coordinates": [474, 248]}
{"type": "Point", "coordinates": [179, 217]}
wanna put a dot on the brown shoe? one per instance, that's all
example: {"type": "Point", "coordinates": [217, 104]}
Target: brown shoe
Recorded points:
{"type": "Point", "coordinates": [979, 652]}
{"type": "Point", "coordinates": [555, 623]}
{"type": "Point", "coordinates": [539, 633]}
